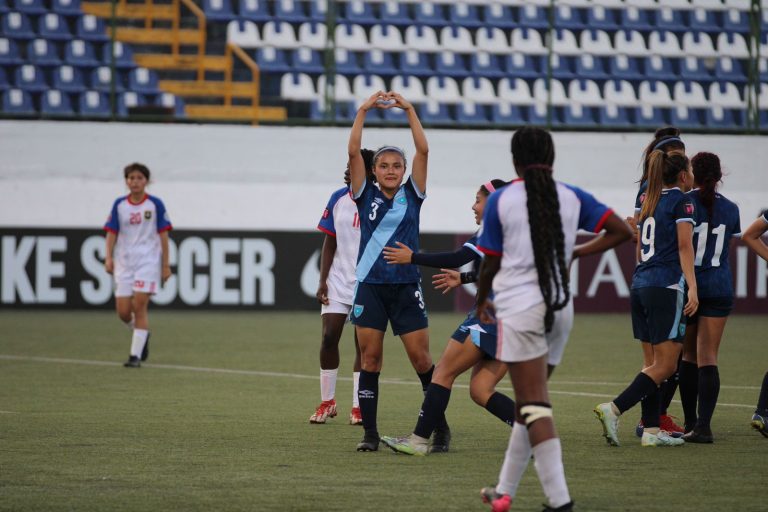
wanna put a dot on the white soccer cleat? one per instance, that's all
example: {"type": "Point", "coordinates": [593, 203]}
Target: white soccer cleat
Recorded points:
{"type": "Point", "coordinates": [610, 422]}
{"type": "Point", "coordinates": [661, 439]}
{"type": "Point", "coordinates": [325, 410]}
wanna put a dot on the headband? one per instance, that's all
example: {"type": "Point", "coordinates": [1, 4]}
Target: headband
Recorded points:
{"type": "Point", "coordinates": [667, 141]}
{"type": "Point", "coordinates": [387, 149]}
{"type": "Point", "coordinates": [489, 187]}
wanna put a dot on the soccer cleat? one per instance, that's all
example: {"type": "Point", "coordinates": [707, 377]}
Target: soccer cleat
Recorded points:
{"type": "Point", "coordinates": [760, 423]}
{"type": "Point", "coordinates": [132, 362]}
{"type": "Point", "coordinates": [404, 445]}
{"type": "Point", "coordinates": [699, 436]}
{"type": "Point", "coordinates": [660, 439]}
{"type": "Point", "coordinates": [441, 440]}
{"type": "Point", "coordinates": [667, 424]}
{"type": "Point", "coordinates": [568, 507]}
{"type": "Point", "coordinates": [145, 351]}
{"type": "Point", "coordinates": [325, 410]}
{"type": "Point", "coordinates": [498, 502]}
{"type": "Point", "coordinates": [609, 421]}
{"type": "Point", "coordinates": [355, 418]}
{"type": "Point", "coordinates": [370, 442]}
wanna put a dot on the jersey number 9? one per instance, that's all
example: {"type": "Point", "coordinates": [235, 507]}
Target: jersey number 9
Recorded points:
{"type": "Point", "coordinates": [647, 236]}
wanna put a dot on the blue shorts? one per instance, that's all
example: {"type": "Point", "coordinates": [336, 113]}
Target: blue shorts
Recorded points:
{"type": "Point", "coordinates": [657, 314]}
{"type": "Point", "coordinates": [402, 305]}
{"type": "Point", "coordinates": [485, 340]}
{"type": "Point", "coordinates": [712, 307]}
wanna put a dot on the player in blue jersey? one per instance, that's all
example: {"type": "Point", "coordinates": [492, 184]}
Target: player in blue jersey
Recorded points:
{"type": "Point", "coordinates": [753, 238]}
{"type": "Point", "coordinates": [666, 257]}
{"type": "Point", "coordinates": [338, 258]}
{"type": "Point", "coordinates": [717, 223]}
{"type": "Point", "coordinates": [528, 237]}
{"type": "Point", "coordinates": [137, 256]}
{"type": "Point", "coordinates": [389, 294]}
{"type": "Point", "coordinates": [473, 344]}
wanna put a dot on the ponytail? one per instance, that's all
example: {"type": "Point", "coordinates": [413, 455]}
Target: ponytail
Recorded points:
{"type": "Point", "coordinates": [706, 174]}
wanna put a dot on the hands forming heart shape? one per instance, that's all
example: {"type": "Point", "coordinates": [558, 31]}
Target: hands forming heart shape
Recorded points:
{"type": "Point", "coordinates": [386, 100]}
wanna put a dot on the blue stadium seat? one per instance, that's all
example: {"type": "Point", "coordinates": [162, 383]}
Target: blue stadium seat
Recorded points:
{"type": "Point", "coordinates": [67, 7]}
{"type": "Point", "coordinates": [361, 12]}
{"type": "Point", "coordinates": [42, 52]}
{"type": "Point", "coordinates": [633, 18]}
{"type": "Point", "coordinates": [30, 6]}
{"type": "Point", "coordinates": [91, 28]}
{"type": "Point", "coordinates": [258, 11]}
{"type": "Point", "coordinates": [693, 68]}
{"type": "Point", "coordinates": [171, 101]}
{"type": "Point", "coordinates": [705, 20]}
{"type": "Point", "coordinates": [499, 15]}
{"type": "Point", "coordinates": [532, 16]}
{"type": "Point", "coordinates": [432, 14]}
{"type": "Point", "coordinates": [54, 27]}
{"type": "Point", "coordinates": [16, 25]}
{"type": "Point", "coordinates": [578, 115]}
{"type": "Point", "coordinates": [685, 117]}
{"type": "Point", "coordinates": [537, 115]}
{"type": "Point", "coordinates": [68, 79]}
{"type": "Point", "coordinates": [600, 17]}
{"type": "Point", "coordinates": [735, 20]}
{"type": "Point", "coordinates": [143, 81]}
{"type": "Point", "coordinates": [56, 103]}
{"type": "Point", "coordinates": [464, 15]}
{"type": "Point", "coordinates": [651, 116]}
{"type": "Point", "coordinates": [30, 78]}
{"type": "Point", "coordinates": [589, 66]}
{"type": "Point", "coordinates": [416, 63]}
{"type": "Point", "coordinates": [670, 19]}
{"type": "Point", "coordinates": [274, 60]}
{"type": "Point", "coordinates": [450, 64]}
{"type": "Point", "coordinates": [18, 102]}
{"type": "Point", "coordinates": [729, 69]}
{"type": "Point", "coordinates": [485, 64]}
{"type": "Point", "coordinates": [123, 55]}
{"type": "Point", "coordinates": [469, 112]}
{"type": "Point", "coordinates": [718, 117]}
{"type": "Point", "coordinates": [433, 112]}
{"type": "Point", "coordinates": [569, 17]}
{"type": "Point", "coordinates": [9, 52]}
{"type": "Point", "coordinates": [562, 67]}
{"type": "Point", "coordinates": [101, 80]}
{"type": "Point", "coordinates": [303, 60]}
{"type": "Point", "coordinates": [219, 10]}
{"type": "Point", "coordinates": [80, 53]}
{"type": "Point", "coordinates": [4, 7]}
{"type": "Point", "coordinates": [763, 118]}
{"type": "Point", "coordinates": [129, 100]}
{"type": "Point", "coordinates": [659, 68]}
{"type": "Point", "coordinates": [346, 62]}
{"type": "Point", "coordinates": [519, 65]}
{"type": "Point", "coordinates": [380, 62]}
{"type": "Point", "coordinates": [507, 114]}
{"type": "Point", "coordinates": [625, 68]}
{"type": "Point", "coordinates": [94, 104]}
{"type": "Point", "coordinates": [762, 67]}
{"type": "Point", "coordinates": [613, 116]}
{"type": "Point", "coordinates": [395, 13]}
{"type": "Point", "coordinates": [4, 83]}
{"type": "Point", "coordinates": [291, 11]}
{"type": "Point", "coordinates": [318, 9]}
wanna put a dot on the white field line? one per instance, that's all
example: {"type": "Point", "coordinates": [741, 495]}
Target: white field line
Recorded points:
{"type": "Point", "coordinates": [257, 373]}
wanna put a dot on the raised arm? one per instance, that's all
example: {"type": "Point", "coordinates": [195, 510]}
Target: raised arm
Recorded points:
{"type": "Point", "coordinates": [752, 237]}
{"type": "Point", "coordinates": [356, 163]}
{"type": "Point", "coordinates": [419, 166]}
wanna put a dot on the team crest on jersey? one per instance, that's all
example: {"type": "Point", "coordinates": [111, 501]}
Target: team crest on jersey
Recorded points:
{"type": "Point", "coordinates": [358, 310]}
{"type": "Point", "coordinates": [148, 214]}
{"type": "Point", "coordinates": [326, 213]}
{"type": "Point", "coordinates": [401, 200]}
{"type": "Point", "coordinates": [642, 198]}
{"type": "Point", "coordinates": [689, 208]}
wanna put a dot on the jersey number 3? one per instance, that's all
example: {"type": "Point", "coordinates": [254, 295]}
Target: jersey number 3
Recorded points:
{"type": "Point", "coordinates": [374, 211]}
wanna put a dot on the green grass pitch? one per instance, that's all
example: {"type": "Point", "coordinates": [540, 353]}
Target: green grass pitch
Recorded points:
{"type": "Point", "coordinates": [218, 420]}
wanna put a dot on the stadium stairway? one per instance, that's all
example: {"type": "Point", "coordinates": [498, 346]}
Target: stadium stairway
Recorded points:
{"type": "Point", "coordinates": [180, 54]}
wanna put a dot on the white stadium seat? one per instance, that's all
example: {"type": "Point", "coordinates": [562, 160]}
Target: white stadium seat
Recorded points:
{"type": "Point", "coordinates": [541, 94]}
{"type": "Point", "coordinates": [443, 89]}
{"type": "Point", "coordinates": [664, 43]}
{"type": "Point", "coordinates": [387, 37]}
{"type": "Point", "coordinates": [596, 42]}
{"type": "Point", "coordinates": [342, 89]}
{"type": "Point", "coordinates": [456, 39]}
{"type": "Point", "coordinates": [421, 38]}
{"type": "Point", "coordinates": [515, 91]}
{"type": "Point", "coordinates": [313, 35]}
{"type": "Point", "coordinates": [630, 42]}
{"type": "Point", "coordinates": [492, 40]}
{"type": "Point", "coordinates": [279, 34]}
{"type": "Point", "coordinates": [654, 93]}
{"type": "Point", "coordinates": [478, 89]}
{"type": "Point", "coordinates": [351, 37]}
{"type": "Point", "coordinates": [698, 44]}
{"type": "Point", "coordinates": [725, 94]}
{"type": "Point", "coordinates": [298, 87]}
{"type": "Point", "coordinates": [585, 92]}
{"type": "Point", "coordinates": [694, 97]}
{"type": "Point", "coordinates": [363, 86]}
{"type": "Point", "coordinates": [619, 92]}
{"type": "Point", "coordinates": [528, 41]}
{"type": "Point", "coordinates": [410, 87]}
{"type": "Point", "coordinates": [243, 33]}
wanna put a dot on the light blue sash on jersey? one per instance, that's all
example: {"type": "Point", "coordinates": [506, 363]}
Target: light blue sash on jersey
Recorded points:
{"type": "Point", "coordinates": [382, 234]}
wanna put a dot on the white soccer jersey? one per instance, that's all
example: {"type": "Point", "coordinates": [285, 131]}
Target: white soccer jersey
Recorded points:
{"type": "Point", "coordinates": [138, 227]}
{"type": "Point", "coordinates": [340, 220]}
{"type": "Point", "coordinates": [505, 232]}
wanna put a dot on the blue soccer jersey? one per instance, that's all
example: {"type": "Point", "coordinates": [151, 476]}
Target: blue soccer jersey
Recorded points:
{"type": "Point", "coordinates": [640, 196]}
{"type": "Point", "coordinates": [712, 238]}
{"type": "Point", "coordinates": [659, 256]}
{"type": "Point", "coordinates": [383, 222]}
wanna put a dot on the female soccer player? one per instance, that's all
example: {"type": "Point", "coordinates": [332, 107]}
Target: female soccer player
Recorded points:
{"type": "Point", "coordinates": [753, 238]}
{"type": "Point", "coordinates": [528, 237]}
{"type": "Point", "coordinates": [717, 222]}
{"type": "Point", "coordinates": [473, 345]}
{"type": "Point", "coordinates": [665, 255]}
{"type": "Point", "coordinates": [385, 293]}
{"type": "Point", "coordinates": [335, 291]}
{"type": "Point", "coordinates": [137, 256]}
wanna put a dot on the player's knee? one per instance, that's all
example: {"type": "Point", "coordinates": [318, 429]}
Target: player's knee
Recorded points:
{"type": "Point", "coordinates": [371, 362]}
{"type": "Point", "coordinates": [422, 362]}
{"type": "Point", "coordinates": [125, 316]}
{"type": "Point", "coordinates": [532, 412]}
{"type": "Point", "coordinates": [330, 342]}
{"type": "Point", "coordinates": [479, 394]}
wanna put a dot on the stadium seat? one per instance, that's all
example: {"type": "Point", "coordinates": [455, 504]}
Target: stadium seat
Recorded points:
{"type": "Point", "coordinates": [659, 68]}
{"type": "Point", "coordinates": [735, 20]}
{"type": "Point", "coordinates": [520, 65]}
{"type": "Point", "coordinates": [732, 45]}
{"type": "Point", "coordinates": [256, 11]}
{"type": "Point", "coordinates": [443, 89]}
{"type": "Point", "coordinates": [171, 101]}
{"type": "Point", "coordinates": [464, 14]}
{"type": "Point", "coordinates": [91, 28]}
{"type": "Point", "coordinates": [532, 16]}
{"type": "Point", "coordinates": [569, 18]}
{"type": "Point", "coordinates": [4, 7]}
{"type": "Point", "coordinates": [432, 112]}
{"type": "Point", "coordinates": [722, 118]}
{"type": "Point", "coordinates": [625, 68]}
{"type": "Point", "coordinates": [94, 104]}
{"type": "Point", "coordinates": [56, 103]}
{"type": "Point", "coordinates": [429, 13]}
{"type": "Point", "coordinates": [361, 13]}
{"type": "Point", "coordinates": [413, 62]}
{"type": "Point", "coordinates": [33, 7]}
{"type": "Point", "coordinates": [563, 68]}
{"type": "Point", "coordinates": [664, 43]}
{"type": "Point", "coordinates": [613, 116]}
{"type": "Point", "coordinates": [632, 18]}
{"type": "Point", "coordinates": [576, 114]}
{"type": "Point", "coordinates": [598, 17]}
{"type": "Point", "coordinates": [41, 52]}
{"type": "Point", "coordinates": [219, 10]}
{"type": "Point", "coordinates": [689, 94]}
{"type": "Point", "coordinates": [527, 40]}
{"type": "Point", "coordinates": [53, 26]}
{"type": "Point", "coordinates": [312, 34]}
{"type": "Point", "coordinates": [395, 13]}
{"type": "Point", "coordinates": [394, 115]}
{"type": "Point", "coordinates": [318, 10]}
{"type": "Point", "coordinates": [762, 66]}
{"type": "Point", "coordinates": [450, 64]}
{"type": "Point", "coordinates": [421, 38]}
{"type": "Point", "coordinates": [80, 53]}
{"type": "Point", "coordinates": [346, 62]}
{"type": "Point", "coordinates": [620, 93]}
{"type": "Point", "coordinates": [705, 20]}
{"type": "Point", "coordinates": [541, 92]}
{"type": "Point", "coordinates": [592, 67]}
{"type": "Point", "coordinates": [18, 102]}
{"type": "Point", "coordinates": [272, 60]}
{"type": "Point", "coordinates": [380, 62]}
{"type": "Point", "coordinates": [68, 79]}
{"type": "Point", "coordinates": [9, 52]}
{"type": "Point", "coordinates": [698, 44]}
{"type": "Point", "coordinates": [654, 93]}
{"type": "Point", "coordinates": [693, 69]}
{"type": "Point", "coordinates": [685, 117]}
{"type": "Point", "coordinates": [585, 92]}
{"type": "Point", "coordinates": [297, 87]}
{"type": "Point", "coordinates": [478, 90]}
{"type": "Point", "coordinates": [67, 7]}
{"type": "Point", "coordinates": [410, 87]}
{"type": "Point", "coordinates": [363, 86]}
{"type": "Point", "coordinates": [470, 113]}
{"type": "Point", "coordinates": [725, 94]}
{"type": "Point", "coordinates": [643, 4]}
{"type": "Point", "coordinates": [739, 5]}
{"type": "Point", "coordinates": [670, 19]}
{"type": "Point", "coordinates": [304, 60]}
{"type": "Point", "coordinates": [456, 39]}
{"type": "Point", "coordinates": [729, 69]}
{"type": "Point", "coordinates": [4, 83]}
{"type": "Point", "coordinates": [387, 38]}
{"type": "Point", "coordinates": [291, 11]}
{"type": "Point", "coordinates": [492, 40]}
{"type": "Point", "coordinates": [540, 114]}
{"type": "Point", "coordinates": [342, 88]}
{"type": "Point", "coordinates": [515, 91]}
{"type": "Point", "coordinates": [498, 15]}
{"type": "Point", "coordinates": [280, 34]}
{"type": "Point", "coordinates": [596, 42]}
{"type": "Point", "coordinates": [101, 80]}
{"type": "Point", "coordinates": [507, 114]}
{"type": "Point", "coordinates": [485, 64]}
{"type": "Point", "coordinates": [123, 55]}
{"type": "Point", "coordinates": [564, 43]}
{"type": "Point", "coordinates": [650, 116]}
{"type": "Point", "coordinates": [30, 78]}
{"type": "Point", "coordinates": [243, 33]}
{"type": "Point", "coordinates": [351, 37]}
{"type": "Point", "coordinates": [143, 81]}
{"type": "Point", "coordinates": [630, 42]}
{"type": "Point", "coordinates": [16, 25]}
{"type": "Point", "coordinates": [129, 100]}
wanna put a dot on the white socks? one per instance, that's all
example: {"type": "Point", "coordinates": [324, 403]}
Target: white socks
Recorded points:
{"type": "Point", "coordinates": [515, 461]}
{"type": "Point", "coordinates": [548, 461]}
{"type": "Point", "coordinates": [138, 341]}
{"type": "Point", "coordinates": [328, 384]}
{"type": "Point", "coordinates": [355, 386]}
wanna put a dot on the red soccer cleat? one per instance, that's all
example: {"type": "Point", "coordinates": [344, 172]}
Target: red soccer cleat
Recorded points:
{"type": "Point", "coordinates": [324, 411]}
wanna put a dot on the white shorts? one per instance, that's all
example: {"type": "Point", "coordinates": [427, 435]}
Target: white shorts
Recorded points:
{"type": "Point", "coordinates": [144, 279]}
{"type": "Point", "coordinates": [334, 306]}
{"type": "Point", "coordinates": [522, 337]}
{"type": "Point", "coordinates": [557, 338]}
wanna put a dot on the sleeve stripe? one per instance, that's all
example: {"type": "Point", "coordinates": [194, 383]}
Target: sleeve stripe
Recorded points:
{"type": "Point", "coordinates": [685, 219]}
{"type": "Point", "coordinates": [489, 252]}
{"type": "Point", "coordinates": [166, 228]}
{"type": "Point", "coordinates": [603, 219]}
{"type": "Point", "coordinates": [473, 248]}
{"type": "Point", "coordinates": [326, 231]}
{"type": "Point", "coordinates": [111, 230]}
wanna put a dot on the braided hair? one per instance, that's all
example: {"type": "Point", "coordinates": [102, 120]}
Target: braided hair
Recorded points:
{"type": "Point", "coordinates": [533, 154]}
{"type": "Point", "coordinates": [663, 169]}
{"type": "Point", "coordinates": [667, 139]}
{"type": "Point", "coordinates": [707, 174]}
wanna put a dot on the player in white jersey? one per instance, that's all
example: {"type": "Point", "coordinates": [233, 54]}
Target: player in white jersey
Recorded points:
{"type": "Point", "coordinates": [137, 256]}
{"type": "Point", "coordinates": [528, 236]}
{"type": "Point", "coordinates": [338, 260]}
